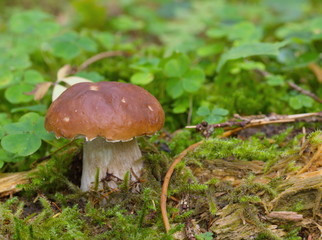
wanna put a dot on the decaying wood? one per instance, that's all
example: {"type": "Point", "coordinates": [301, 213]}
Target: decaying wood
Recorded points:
{"type": "Point", "coordinates": [317, 157]}
{"type": "Point", "coordinates": [233, 222]}
{"type": "Point", "coordinates": [9, 182]}
{"type": "Point", "coordinates": [227, 170]}
{"type": "Point", "coordinates": [245, 221]}
{"type": "Point", "coordinates": [304, 186]}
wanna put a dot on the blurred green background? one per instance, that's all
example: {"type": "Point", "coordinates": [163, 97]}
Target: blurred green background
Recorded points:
{"type": "Point", "coordinates": [203, 60]}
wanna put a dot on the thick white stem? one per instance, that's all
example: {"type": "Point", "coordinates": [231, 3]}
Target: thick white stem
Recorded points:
{"type": "Point", "coordinates": [113, 158]}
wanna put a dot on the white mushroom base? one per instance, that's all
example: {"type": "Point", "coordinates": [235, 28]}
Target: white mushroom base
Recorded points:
{"type": "Point", "coordinates": [114, 158]}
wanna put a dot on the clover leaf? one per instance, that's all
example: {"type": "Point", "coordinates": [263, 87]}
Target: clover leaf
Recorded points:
{"type": "Point", "coordinates": [4, 119]}
{"type": "Point", "coordinates": [176, 67]}
{"type": "Point", "coordinates": [33, 77]}
{"type": "Point", "coordinates": [21, 144]}
{"type": "Point", "coordinates": [174, 87]}
{"type": "Point", "coordinates": [300, 101]}
{"type": "Point", "coordinates": [17, 93]}
{"type": "Point", "coordinates": [214, 116]}
{"type": "Point", "coordinates": [71, 45]}
{"type": "Point", "coordinates": [182, 78]}
{"type": "Point", "coordinates": [24, 137]}
{"type": "Point", "coordinates": [193, 79]}
{"type": "Point", "coordinates": [142, 78]}
{"type": "Point", "coordinates": [6, 78]}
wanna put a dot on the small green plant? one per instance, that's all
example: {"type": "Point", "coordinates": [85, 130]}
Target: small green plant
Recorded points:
{"type": "Point", "coordinates": [205, 236]}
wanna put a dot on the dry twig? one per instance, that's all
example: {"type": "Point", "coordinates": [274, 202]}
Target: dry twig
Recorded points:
{"type": "Point", "coordinates": [303, 91]}
{"type": "Point", "coordinates": [234, 125]}
{"type": "Point", "coordinates": [318, 73]}
{"type": "Point", "coordinates": [98, 57]}
{"type": "Point", "coordinates": [164, 192]}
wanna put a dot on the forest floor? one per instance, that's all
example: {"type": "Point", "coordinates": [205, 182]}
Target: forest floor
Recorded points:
{"type": "Point", "coordinates": [262, 183]}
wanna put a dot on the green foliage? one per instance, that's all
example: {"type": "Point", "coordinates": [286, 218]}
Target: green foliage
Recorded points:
{"type": "Point", "coordinates": [248, 50]}
{"type": "Point", "coordinates": [205, 236]}
{"type": "Point", "coordinates": [70, 45]}
{"type": "Point", "coordinates": [24, 137]}
{"type": "Point", "coordinates": [215, 116]}
{"type": "Point", "coordinates": [142, 78]}
{"type": "Point", "coordinates": [206, 72]}
{"type": "Point", "coordinates": [182, 78]}
{"type": "Point", "coordinates": [300, 101]}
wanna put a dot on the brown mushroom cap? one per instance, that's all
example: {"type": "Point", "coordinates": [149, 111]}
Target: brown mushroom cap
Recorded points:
{"type": "Point", "coordinates": [112, 110]}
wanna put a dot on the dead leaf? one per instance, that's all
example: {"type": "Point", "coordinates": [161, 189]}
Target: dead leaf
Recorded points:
{"type": "Point", "coordinates": [64, 71]}
{"type": "Point", "coordinates": [317, 70]}
{"type": "Point", "coordinates": [40, 90]}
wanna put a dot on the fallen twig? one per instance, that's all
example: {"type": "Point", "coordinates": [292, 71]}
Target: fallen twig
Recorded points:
{"type": "Point", "coordinates": [164, 192]}
{"type": "Point", "coordinates": [234, 126]}
{"type": "Point", "coordinates": [303, 91]}
{"type": "Point", "coordinates": [98, 57]}
{"type": "Point", "coordinates": [317, 71]}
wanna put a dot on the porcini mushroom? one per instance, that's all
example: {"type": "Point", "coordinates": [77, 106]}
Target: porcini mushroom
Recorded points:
{"type": "Point", "coordinates": [109, 115]}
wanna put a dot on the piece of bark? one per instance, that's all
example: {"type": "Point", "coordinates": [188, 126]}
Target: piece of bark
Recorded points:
{"type": "Point", "coordinates": [286, 215]}
{"type": "Point", "coordinates": [9, 182]}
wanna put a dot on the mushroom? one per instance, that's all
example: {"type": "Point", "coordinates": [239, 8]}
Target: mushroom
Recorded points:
{"type": "Point", "coordinates": [109, 115]}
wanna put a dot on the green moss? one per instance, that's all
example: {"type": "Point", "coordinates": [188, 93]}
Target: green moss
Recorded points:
{"type": "Point", "coordinates": [254, 149]}
{"type": "Point", "coordinates": [315, 137]}
{"type": "Point", "coordinates": [72, 223]}
{"type": "Point", "coordinates": [181, 140]}
{"type": "Point", "coordinates": [46, 225]}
